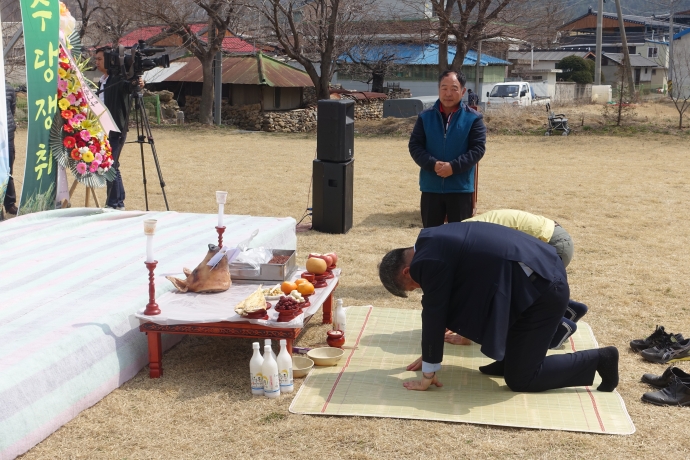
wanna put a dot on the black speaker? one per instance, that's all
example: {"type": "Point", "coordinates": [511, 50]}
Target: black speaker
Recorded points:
{"type": "Point", "coordinates": [332, 201]}
{"type": "Point", "coordinates": [335, 130]}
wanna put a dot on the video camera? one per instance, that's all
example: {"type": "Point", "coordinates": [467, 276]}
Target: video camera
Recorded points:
{"type": "Point", "coordinates": [136, 62]}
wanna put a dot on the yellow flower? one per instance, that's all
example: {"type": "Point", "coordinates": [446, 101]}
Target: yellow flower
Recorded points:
{"type": "Point", "coordinates": [88, 156]}
{"type": "Point", "coordinates": [63, 9]}
{"type": "Point", "coordinates": [63, 103]}
{"type": "Point", "coordinates": [62, 72]}
{"type": "Point", "coordinates": [86, 124]}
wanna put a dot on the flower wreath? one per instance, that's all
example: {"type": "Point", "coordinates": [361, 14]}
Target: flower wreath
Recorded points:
{"type": "Point", "coordinates": [78, 141]}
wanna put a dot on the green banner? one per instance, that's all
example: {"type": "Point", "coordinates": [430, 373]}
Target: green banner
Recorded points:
{"type": "Point", "coordinates": [41, 21]}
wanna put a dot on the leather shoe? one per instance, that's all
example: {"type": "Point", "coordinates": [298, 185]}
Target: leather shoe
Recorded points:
{"type": "Point", "coordinates": [677, 393]}
{"type": "Point", "coordinates": [12, 210]}
{"type": "Point", "coordinates": [663, 380]}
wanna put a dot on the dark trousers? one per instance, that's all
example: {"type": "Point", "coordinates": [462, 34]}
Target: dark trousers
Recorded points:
{"type": "Point", "coordinates": [437, 206]}
{"type": "Point", "coordinates": [116, 189]}
{"type": "Point", "coordinates": [527, 368]}
{"type": "Point", "coordinates": [10, 194]}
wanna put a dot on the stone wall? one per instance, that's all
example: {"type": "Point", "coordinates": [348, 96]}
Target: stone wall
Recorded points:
{"type": "Point", "coordinates": [398, 93]}
{"type": "Point", "coordinates": [366, 109]}
{"type": "Point", "coordinates": [251, 118]}
{"type": "Point", "coordinates": [569, 91]}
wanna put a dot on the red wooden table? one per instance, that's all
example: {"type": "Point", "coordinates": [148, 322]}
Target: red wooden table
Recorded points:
{"type": "Point", "coordinates": [223, 329]}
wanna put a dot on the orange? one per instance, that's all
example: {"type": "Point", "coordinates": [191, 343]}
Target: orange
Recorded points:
{"type": "Point", "coordinates": [287, 287]}
{"type": "Point", "coordinates": [300, 281]}
{"type": "Point", "coordinates": [305, 288]}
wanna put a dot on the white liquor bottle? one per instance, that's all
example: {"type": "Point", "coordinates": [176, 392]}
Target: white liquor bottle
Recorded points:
{"type": "Point", "coordinates": [269, 370]}
{"type": "Point", "coordinates": [340, 316]}
{"type": "Point", "coordinates": [255, 371]}
{"type": "Point", "coordinates": [268, 343]}
{"type": "Point", "coordinates": [285, 369]}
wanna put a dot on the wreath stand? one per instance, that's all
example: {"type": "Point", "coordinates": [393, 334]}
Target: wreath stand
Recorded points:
{"type": "Point", "coordinates": [86, 198]}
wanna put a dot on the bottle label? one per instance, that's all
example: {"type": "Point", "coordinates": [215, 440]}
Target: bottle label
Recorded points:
{"type": "Point", "coordinates": [285, 377]}
{"type": "Point", "coordinates": [257, 381]}
{"type": "Point", "coordinates": [271, 384]}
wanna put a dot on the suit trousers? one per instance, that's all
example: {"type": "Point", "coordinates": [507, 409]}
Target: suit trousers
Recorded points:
{"type": "Point", "coordinates": [436, 207]}
{"type": "Point", "coordinates": [115, 195]}
{"type": "Point", "coordinates": [527, 368]}
{"type": "Point", "coordinates": [10, 193]}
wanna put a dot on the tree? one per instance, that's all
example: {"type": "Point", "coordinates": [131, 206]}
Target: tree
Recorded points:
{"type": "Point", "coordinates": [576, 69]}
{"type": "Point", "coordinates": [679, 88]}
{"type": "Point", "coordinates": [183, 18]}
{"type": "Point", "coordinates": [463, 23]}
{"type": "Point", "coordinates": [316, 34]}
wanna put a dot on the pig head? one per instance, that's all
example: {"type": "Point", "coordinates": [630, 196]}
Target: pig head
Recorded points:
{"type": "Point", "coordinates": [204, 278]}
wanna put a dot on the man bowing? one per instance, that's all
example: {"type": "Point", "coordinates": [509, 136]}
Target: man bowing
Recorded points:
{"type": "Point", "coordinates": [502, 289]}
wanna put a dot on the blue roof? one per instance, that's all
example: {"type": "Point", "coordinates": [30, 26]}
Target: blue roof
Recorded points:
{"type": "Point", "coordinates": [681, 33]}
{"type": "Point", "coordinates": [422, 55]}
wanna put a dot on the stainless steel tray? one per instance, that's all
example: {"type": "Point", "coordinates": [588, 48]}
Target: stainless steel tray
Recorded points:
{"type": "Point", "coordinates": [267, 272]}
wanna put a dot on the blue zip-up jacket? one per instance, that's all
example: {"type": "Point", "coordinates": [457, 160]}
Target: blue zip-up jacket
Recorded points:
{"type": "Point", "coordinates": [463, 145]}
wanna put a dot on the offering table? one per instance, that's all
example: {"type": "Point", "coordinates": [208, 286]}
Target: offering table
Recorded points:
{"type": "Point", "coordinates": [214, 315]}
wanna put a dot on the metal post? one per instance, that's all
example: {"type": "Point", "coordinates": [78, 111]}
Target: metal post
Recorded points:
{"type": "Point", "coordinates": [670, 48]}
{"type": "Point", "coordinates": [217, 86]}
{"type": "Point", "coordinates": [477, 90]}
{"type": "Point", "coordinates": [600, 26]}
{"type": "Point", "coordinates": [13, 41]}
{"type": "Point", "coordinates": [626, 52]}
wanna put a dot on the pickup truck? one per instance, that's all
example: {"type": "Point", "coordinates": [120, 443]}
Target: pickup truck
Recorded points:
{"type": "Point", "coordinates": [518, 93]}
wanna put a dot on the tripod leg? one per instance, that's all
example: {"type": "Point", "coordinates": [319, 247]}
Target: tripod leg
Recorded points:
{"type": "Point", "coordinates": [138, 118]}
{"type": "Point", "coordinates": [146, 127]}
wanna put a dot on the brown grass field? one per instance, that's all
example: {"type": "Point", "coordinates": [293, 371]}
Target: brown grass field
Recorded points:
{"type": "Point", "coordinates": [623, 199]}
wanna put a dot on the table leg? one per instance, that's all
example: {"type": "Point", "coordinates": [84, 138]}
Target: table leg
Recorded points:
{"type": "Point", "coordinates": [155, 355]}
{"type": "Point", "coordinates": [327, 309]}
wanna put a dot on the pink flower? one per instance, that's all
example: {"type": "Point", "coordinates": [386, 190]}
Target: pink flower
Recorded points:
{"type": "Point", "coordinates": [72, 99]}
{"type": "Point", "coordinates": [85, 135]}
{"type": "Point", "coordinates": [81, 168]}
{"type": "Point", "coordinates": [98, 157]}
{"type": "Point", "coordinates": [79, 117]}
{"type": "Point", "coordinates": [62, 85]}
{"type": "Point", "coordinates": [94, 166]}
{"type": "Point", "coordinates": [94, 148]}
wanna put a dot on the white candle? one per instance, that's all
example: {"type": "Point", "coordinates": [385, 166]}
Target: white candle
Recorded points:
{"type": "Point", "coordinates": [149, 230]}
{"type": "Point", "coordinates": [220, 199]}
{"type": "Point", "coordinates": [149, 248]}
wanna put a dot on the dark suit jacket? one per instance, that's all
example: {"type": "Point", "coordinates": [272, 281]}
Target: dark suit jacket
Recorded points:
{"type": "Point", "coordinates": [473, 284]}
{"type": "Point", "coordinates": [116, 98]}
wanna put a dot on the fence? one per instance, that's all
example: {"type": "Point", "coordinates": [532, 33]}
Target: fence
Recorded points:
{"type": "Point", "coordinates": [152, 105]}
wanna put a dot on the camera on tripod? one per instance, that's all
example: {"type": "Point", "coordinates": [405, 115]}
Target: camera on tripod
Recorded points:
{"type": "Point", "coordinates": [133, 64]}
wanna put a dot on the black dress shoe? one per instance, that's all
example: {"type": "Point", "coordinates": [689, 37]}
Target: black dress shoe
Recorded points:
{"type": "Point", "coordinates": [663, 380]}
{"type": "Point", "coordinates": [677, 393]}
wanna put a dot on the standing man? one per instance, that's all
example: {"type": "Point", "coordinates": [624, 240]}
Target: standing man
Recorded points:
{"type": "Point", "coordinates": [11, 195]}
{"type": "Point", "coordinates": [472, 98]}
{"type": "Point", "coordinates": [115, 92]}
{"type": "Point", "coordinates": [447, 142]}
{"type": "Point", "coordinates": [500, 288]}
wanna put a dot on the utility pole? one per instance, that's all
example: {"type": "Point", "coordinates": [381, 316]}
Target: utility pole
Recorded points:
{"type": "Point", "coordinates": [597, 61]}
{"type": "Point", "coordinates": [626, 52]}
{"type": "Point", "coordinates": [478, 90]}
{"type": "Point", "coordinates": [670, 50]}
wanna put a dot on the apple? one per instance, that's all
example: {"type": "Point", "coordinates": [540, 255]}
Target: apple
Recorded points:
{"type": "Point", "coordinates": [325, 257]}
{"type": "Point", "coordinates": [334, 258]}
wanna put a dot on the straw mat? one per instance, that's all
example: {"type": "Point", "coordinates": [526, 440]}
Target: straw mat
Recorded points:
{"type": "Point", "coordinates": [381, 342]}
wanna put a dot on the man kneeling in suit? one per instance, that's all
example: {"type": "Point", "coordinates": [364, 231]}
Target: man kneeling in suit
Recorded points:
{"type": "Point", "coordinates": [502, 289]}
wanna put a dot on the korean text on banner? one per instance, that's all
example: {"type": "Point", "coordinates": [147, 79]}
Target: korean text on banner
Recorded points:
{"type": "Point", "coordinates": [95, 104]}
{"type": "Point", "coordinates": [41, 22]}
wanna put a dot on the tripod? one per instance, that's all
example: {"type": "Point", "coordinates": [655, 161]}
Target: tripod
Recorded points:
{"type": "Point", "coordinates": [144, 136]}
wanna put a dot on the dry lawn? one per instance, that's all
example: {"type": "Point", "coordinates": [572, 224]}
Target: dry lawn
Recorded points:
{"type": "Point", "coordinates": [624, 200]}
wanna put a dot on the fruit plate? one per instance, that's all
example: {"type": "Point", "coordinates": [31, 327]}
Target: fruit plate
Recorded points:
{"type": "Point", "coordinates": [273, 297]}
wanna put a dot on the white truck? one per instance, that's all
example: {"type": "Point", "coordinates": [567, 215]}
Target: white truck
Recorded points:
{"type": "Point", "coordinates": [518, 93]}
